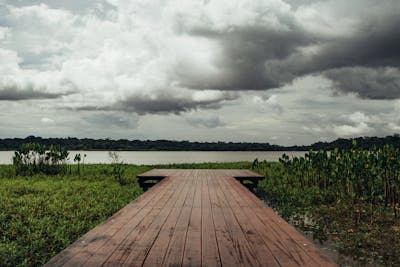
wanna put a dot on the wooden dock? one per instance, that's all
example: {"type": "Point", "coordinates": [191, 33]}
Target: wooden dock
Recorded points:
{"type": "Point", "coordinates": [194, 218]}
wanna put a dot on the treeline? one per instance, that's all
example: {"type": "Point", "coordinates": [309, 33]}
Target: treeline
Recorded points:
{"type": "Point", "coordinates": [362, 143]}
{"type": "Point", "coordinates": [71, 143]}
{"type": "Point", "coordinates": [141, 145]}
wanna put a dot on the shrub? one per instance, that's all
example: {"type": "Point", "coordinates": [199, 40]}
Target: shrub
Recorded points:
{"type": "Point", "coordinates": [33, 158]}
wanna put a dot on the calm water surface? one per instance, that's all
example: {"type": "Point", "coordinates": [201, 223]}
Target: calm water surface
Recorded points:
{"type": "Point", "coordinates": [166, 157]}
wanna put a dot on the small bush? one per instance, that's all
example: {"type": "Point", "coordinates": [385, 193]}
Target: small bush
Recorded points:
{"type": "Point", "coordinates": [33, 158]}
{"type": "Point", "coordinates": [118, 168]}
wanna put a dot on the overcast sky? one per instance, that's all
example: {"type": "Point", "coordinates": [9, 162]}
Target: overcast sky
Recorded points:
{"type": "Point", "coordinates": [278, 71]}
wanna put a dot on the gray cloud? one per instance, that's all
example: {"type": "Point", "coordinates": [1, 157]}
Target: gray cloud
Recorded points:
{"type": "Point", "coordinates": [112, 119]}
{"type": "Point", "coordinates": [163, 103]}
{"type": "Point", "coordinates": [366, 63]}
{"type": "Point", "coordinates": [378, 83]}
{"type": "Point", "coordinates": [259, 57]}
{"type": "Point", "coordinates": [212, 122]}
{"type": "Point", "coordinates": [15, 94]}
{"type": "Point", "coordinates": [246, 53]}
{"type": "Point", "coordinates": [375, 44]}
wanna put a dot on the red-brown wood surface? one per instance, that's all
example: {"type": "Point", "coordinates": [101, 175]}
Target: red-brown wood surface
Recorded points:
{"type": "Point", "coordinates": [194, 218]}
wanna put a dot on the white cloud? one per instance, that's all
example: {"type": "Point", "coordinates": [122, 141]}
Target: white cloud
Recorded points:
{"type": "Point", "coordinates": [350, 130]}
{"type": "Point", "coordinates": [358, 117]}
{"type": "Point", "coordinates": [38, 29]}
{"type": "Point", "coordinates": [397, 105]}
{"type": "Point", "coordinates": [226, 15]}
{"type": "Point", "coordinates": [273, 101]}
{"type": "Point", "coordinates": [210, 95]}
{"type": "Point", "coordinates": [45, 120]}
{"type": "Point", "coordinates": [394, 127]}
{"type": "Point", "coordinates": [4, 31]}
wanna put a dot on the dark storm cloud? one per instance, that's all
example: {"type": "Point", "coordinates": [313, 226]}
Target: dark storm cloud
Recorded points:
{"type": "Point", "coordinates": [380, 83]}
{"type": "Point", "coordinates": [15, 94]}
{"type": "Point", "coordinates": [162, 103]}
{"type": "Point", "coordinates": [367, 64]}
{"type": "Point", "coordinates": [246, 52]}
{"type": "Point", "coordinates": [259, 58]}
{"type": "Point", "coordinates": [376, 44]}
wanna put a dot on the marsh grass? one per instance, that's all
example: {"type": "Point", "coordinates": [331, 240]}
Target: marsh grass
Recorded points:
{"type": "Point", "coordinates": [350, 197]}
{"type": "Point", "coordinates": [40, 215]}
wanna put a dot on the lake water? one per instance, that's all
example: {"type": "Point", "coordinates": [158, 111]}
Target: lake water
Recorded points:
{"type": "Point", "coordinates": [167, 157]}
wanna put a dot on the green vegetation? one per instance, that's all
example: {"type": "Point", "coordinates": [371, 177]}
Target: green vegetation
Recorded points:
{"type": "Point", "coordinates": [349, 196]}
{"type": "Point", "coordinates": [78, 159]}
{"type": "Point", "coordinates": [72, 143]}
{"type": "Point", "coordinates": [42, 214]}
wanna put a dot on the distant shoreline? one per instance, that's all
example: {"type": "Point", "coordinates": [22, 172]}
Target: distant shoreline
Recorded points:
{"type": "Point", "coordinates": [89, 144]}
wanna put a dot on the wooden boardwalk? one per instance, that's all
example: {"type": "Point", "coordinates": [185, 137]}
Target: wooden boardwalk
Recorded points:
{"type": "Point", "coordinates": [194, 218]}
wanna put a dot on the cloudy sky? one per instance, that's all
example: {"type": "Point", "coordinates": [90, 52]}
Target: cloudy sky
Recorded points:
{"type": "Point", "coordinates": [278, 71]}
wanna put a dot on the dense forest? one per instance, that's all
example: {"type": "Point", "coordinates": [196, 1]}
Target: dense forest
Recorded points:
{"type": "Point", "coordinates": [167, 145]}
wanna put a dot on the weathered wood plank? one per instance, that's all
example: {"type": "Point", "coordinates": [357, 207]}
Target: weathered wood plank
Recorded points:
{"type": "Point", "coordinates": [157, 252]}
{"type": "Point", "coordinates": [209, 248]}
{"type": "Point", "coordinates": [261, 250]}
{"type": "Point", "coordinates": [194, 218]}
{"type": "Point", "coordinates": [246, 255]}
{"type": "Point", "coordinates": [271, 238]}
{"type": "Point", "coordinates": [192, 251]}
{"type": "Point", "coordinates": [226, 247]}
{"type": "Point", "coordinates": [144, 243]}
{"type": "Point", "coordinates": [174, 254]}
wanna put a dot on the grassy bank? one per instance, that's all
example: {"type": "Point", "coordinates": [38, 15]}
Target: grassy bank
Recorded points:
{"type": "Point", "coordinates": [40, 215]}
